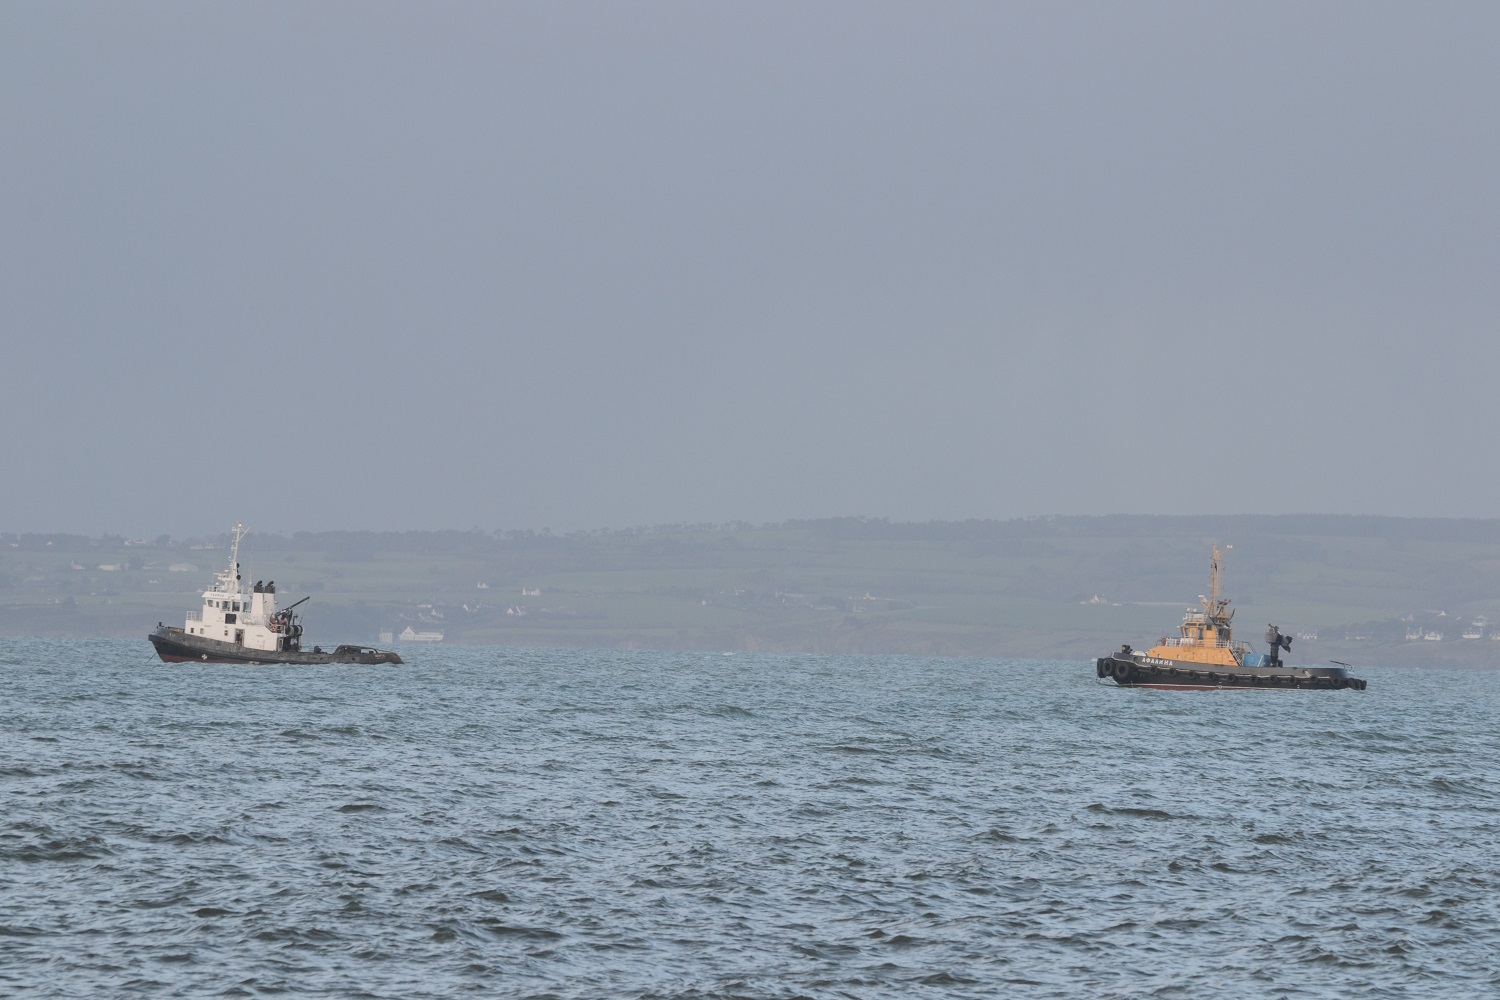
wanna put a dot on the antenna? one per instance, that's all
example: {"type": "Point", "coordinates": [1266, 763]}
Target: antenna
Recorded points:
{"type": "Point", "coordinates": [234, 549]}
{"type": "Point", "coordinates": [1213, 582]}
{"type": "Point", "coordinates": [1213, 603]}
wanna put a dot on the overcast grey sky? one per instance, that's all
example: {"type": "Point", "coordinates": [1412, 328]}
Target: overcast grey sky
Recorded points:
{"type": "Point", "coordinates": [377, 265]}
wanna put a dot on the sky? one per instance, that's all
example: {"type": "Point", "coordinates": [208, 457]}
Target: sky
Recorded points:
{"type": "Point", "coordinates": [390, 266]}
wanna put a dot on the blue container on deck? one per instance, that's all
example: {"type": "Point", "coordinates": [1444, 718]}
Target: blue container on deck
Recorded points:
{"type": "Point", "coordinates": [1256, 660]}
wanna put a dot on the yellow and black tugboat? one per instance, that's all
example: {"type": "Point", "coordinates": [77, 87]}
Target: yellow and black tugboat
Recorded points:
{"type": "Point", "coordinates": [1205, 657]}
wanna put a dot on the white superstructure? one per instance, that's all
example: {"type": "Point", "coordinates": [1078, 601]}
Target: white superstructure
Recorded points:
{"type": "Point", "coordinates": [250, 620]}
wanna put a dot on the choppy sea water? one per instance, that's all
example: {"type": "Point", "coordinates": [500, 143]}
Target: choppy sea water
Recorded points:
{"type": "Point", "coordinates": [544, 823]}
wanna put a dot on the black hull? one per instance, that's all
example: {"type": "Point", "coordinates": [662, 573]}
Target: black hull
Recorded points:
{"type": "Point", "coordinates": [1133, 670]}
{"type": "Point", "coordinates": [174, 645]}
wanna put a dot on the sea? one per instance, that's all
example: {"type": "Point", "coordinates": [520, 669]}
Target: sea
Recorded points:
{"type": "Point", "coordinates": [544, 823]}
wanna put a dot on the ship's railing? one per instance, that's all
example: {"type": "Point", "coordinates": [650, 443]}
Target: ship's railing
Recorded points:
{"type": "Point", "coordinates": [1216, 643]}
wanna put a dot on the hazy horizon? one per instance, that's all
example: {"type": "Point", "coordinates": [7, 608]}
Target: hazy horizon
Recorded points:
{"type": "Point", "coordinates": [1222, 527]}
{"type": "Point", "coordinates": [571, 266]}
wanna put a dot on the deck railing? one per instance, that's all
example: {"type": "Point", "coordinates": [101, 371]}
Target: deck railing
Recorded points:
{"type": "Point", "coordinates": [1180, 641]}
{"type": "Point", "coordinates": [1217, 643]}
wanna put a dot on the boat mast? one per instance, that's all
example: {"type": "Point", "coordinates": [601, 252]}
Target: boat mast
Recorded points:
{"type": "Point", "coordinates": [1213, 583]}
{"type": "Point", "coordinates": [229, 580]}
{"type": "Point", "coordinates": [1217, 607]}
{"type": "Point", "coordinates": [239, 532]}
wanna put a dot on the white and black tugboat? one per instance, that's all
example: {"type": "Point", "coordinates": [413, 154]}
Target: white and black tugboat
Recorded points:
{"type": "Point", "coordinates": [239, 627]}
{"type": "Point", "coordinates": [1206, 657]}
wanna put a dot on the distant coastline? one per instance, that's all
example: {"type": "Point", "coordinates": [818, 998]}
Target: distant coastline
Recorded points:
{"type": "Point", "coordinates": [1357, 588]}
